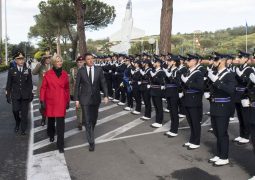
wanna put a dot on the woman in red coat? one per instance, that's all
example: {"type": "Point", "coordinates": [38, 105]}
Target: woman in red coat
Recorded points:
{"type": "Point", "coordinates": [54, 98]}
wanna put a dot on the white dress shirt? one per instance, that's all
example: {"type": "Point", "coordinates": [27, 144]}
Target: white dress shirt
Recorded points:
{"type": "Point", "coordinates": [92, 72]}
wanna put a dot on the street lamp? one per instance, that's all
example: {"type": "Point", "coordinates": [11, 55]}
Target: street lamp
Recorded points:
{"type": "Point", "coordinates": [65, 54]}
{"type": "Point", "coordinates": [151, 42]}
{"type": "Point", "coordinates": [70, 50]}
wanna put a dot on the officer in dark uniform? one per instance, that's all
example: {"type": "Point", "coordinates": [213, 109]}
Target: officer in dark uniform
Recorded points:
{"type": "Point", "coordinates": [157, 91]}
{"type": "Point", "coordinates": [183, 70]}
{"type": "Point", "coordinates": [108, 69]}
{"type": "Point", "coordinates": [136, 81]}
{"type": "Point", "coordinates": [145, 88]}
{"type": "Point", "coordinates": [172, 87]}
{"type": "Point", "coordinates": [118, 76]}
{"type": "Point", "coordinates": [19, 92]}
{"type": "Point", "coordinates": [193, 84]}
{"type": "Point", "coordinates": [221, 105]}
{"type": "Point", "coordinates": [127, 82]}
{"type": "Point", "coordinates": [242, 76]}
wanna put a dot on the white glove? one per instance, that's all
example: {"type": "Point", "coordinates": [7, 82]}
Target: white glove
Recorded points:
{"type": "Point", "coordinates": [207, 95]}
{"type": "Point", "coordinates": [180, 95]}
{"type": "Point", "coordinates": [121, 84]}
{"type": "Point", "coordinates": [245, 102]}
{"type": "Point", "coordinates": [139, 82]}
{"type": "Point", "coordinates": [205, 78]}
{"type": "Point", "coordinates": [129, 82]}
{"type": "Point", "coordinates": [184, 79]}
{"type": "Point", "coordinates": [132, 72]}
{"type": "Point", "coordinates": [110, 71]}
{"type": "Point", "coordinates": [115, 73]}
{"type": "Point", "coordinates": [252, 77]}
{"type": "Point", "coordinates": [142, 72]}
{"type": "Point", "coordinates": [238, 72]}
{"type": "Point", "coordinates": [162, 87]}
{"type": "Point", "coordinates": [148, 86]}
{"type": "Point", "coordinates": [212, 77]}
{"type": "Point", "coordinates": [152, 74]}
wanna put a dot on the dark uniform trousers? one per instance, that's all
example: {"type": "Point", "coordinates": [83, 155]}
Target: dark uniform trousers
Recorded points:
{"type": "Point", "coordinates": [252, 126]}
{"type": "Point", "coordinates": [193, 117]}
{"type": "Point", "coordinates": [90, 121]}
{"type": "Point", "coordinates": [173, 114]}
{"type": "Point", "coordinates": [181, 106]}
{"type": "Point", "coordinates": [243, 117]}
{"type": "Point", "coordinates": [60, 129]}
{"type": "Point", "coordinates": [157, 101]}
{"type": "Point", "coordinates": [220, 130]}
{"type": "Point", "coordinates": [108, 78]}
{"type": "Point", "coordinates": [20, 112]}
{"type": "Point", "coordinates": [147, 102]}
{"type": "Point", "coordinates": [137, 96]}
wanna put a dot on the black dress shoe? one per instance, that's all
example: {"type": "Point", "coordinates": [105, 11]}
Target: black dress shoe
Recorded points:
{"type": "Point", "coordinates": [23, 133]}
{"type": "Point", "coordinates": [61, 150]}
{"type": "Point", "coordinates": [91, 147]}
{"type": "Point", "coordinates": [52, 139]}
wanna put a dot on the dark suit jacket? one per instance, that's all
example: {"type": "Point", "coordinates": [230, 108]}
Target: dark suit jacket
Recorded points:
{"type": "Point", "coordinates": [86, 92]}
{"type": "Point", "coordinates": [19, 84]}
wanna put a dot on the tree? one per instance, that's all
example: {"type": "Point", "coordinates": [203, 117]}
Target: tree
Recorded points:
{"type": "Point", "coordinates": [166, 26]}
{"type": "Point", "coordinates": [79, 10]}
{"type": "Point", "coordinates": [60, 19]}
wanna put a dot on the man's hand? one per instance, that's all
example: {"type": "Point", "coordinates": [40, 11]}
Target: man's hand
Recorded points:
{"type": "Point", "coordinates": [106, 100]}
{"type": "Point", "coordinates": [8, 99]}
{"type": "Point", "coordinates": [77, 104]}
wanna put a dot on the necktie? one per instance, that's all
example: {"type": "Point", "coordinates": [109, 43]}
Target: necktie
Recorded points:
{"type": "Point", "coordinates": [90, 75]}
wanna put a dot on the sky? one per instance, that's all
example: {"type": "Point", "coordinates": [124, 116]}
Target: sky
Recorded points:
{"type": "Point", "coordinates": [188, 16]}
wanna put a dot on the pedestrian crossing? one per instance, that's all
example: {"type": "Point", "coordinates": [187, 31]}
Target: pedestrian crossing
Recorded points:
{"type": "Point", "coordinates": [112, 123]}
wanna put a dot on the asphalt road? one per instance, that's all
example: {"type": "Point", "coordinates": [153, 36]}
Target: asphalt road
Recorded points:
{"type": "Point", "coordinates": [126, 149]}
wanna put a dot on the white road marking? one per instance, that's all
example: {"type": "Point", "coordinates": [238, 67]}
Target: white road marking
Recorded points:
{"type": "Point", "coordinates": [30, 146]}
{"type": "Point", "coordinates": [126, 137]}
{"type": "Point", "coordinates": [50, 165]}
{"type": "Point", "coordinates": [120, 130]}
{"type": "Point", "coordinates": [72, 132]}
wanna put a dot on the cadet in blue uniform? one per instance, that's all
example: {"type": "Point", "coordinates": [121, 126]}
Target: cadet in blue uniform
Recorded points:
{"type": "Point", "coordinates": [172, 87]}
{"type": "Point", "coordinates": [145, 88]}
{"type": "Point", "coordinates": [193, 84]}
{"type": "Point", "coordinates": [19, 92]}
{"type": "Point", "coordinates": [242, 76]}
{"type": "Point", "coordinates": [221, 105]}
{"type": "Point", "coordinates": [157, 91]}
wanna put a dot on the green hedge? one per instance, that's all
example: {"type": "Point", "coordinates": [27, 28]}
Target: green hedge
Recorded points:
{"type": "Point", "coordinates": [67, 65]}
{"type": "Point", "coordinates": [3, 67]}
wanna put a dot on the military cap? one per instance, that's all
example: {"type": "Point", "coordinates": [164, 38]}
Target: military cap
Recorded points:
{"type": "Point", "coordinates": [243, 54]}
{"type": "Point", "coordinates": [80, 58]}
{"type": "Point", "coordinates": [19, 55]}
{"type": "Point", "coordinates": [190, 57]}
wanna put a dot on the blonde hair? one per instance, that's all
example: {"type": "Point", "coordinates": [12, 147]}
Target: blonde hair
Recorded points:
{"type": "Point", "coordinates": [55, 58]}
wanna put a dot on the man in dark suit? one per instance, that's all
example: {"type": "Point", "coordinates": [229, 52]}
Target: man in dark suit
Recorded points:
{"type": "Point", "coordinates": [19, 91]}
{"type": "Point", "coordinates": [87, 95]}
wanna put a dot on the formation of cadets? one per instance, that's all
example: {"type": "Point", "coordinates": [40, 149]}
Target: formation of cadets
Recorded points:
{"type": "Point", "coordinates": [228, 83]}
{"type": "Point", "coordinates": [183, 82]}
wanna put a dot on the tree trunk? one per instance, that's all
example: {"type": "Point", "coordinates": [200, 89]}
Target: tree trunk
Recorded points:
{"type": "Point", "coordinates": [166, 26]}
{"type": "Point", "coordinates": [58, 45]}
{"type": "Point", "coordinates": [80, 9]}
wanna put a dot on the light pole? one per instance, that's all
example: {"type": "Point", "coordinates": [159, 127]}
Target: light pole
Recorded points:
{"type": "Point", "coordinates": [151, 42]}
{"type": "Point", "coordinates": [70, 50]}
{"type": "Point", "coordinates": [6, 50]}
{"type": "Point", "coordinates": [65, 54]}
